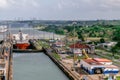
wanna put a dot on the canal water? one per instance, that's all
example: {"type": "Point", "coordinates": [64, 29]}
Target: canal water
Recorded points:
{"type": "Point", "coordinates": [35, 66]}
{"type": "Point", "coordinates": [33, 33]}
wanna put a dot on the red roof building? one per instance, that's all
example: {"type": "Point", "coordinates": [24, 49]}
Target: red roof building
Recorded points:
{"type": "Point", "coordinates": [78, 47]}
{"type": "Point", "coordinates": [99, 66]}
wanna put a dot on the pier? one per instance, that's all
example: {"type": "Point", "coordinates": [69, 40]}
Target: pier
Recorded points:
{"type": "Point", "coordinates": [6, 61]}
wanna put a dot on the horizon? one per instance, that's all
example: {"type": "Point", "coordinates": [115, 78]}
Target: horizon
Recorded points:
{"type": "Point", "coordinates": [63, 20]}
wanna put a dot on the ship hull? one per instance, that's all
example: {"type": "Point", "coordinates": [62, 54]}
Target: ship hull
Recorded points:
{"type": "Point", "coordinates": [22, 46]}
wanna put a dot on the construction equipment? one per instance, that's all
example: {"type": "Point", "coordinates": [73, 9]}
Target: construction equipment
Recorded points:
{"type": "Point", "coordinates": [86, 56]}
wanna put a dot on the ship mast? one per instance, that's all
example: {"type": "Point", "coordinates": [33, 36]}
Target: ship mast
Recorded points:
{"type": "Point", "coordinates": [20, 35]}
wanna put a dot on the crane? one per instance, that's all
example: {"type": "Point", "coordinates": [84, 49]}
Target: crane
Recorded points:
{"type": "Point", "coordinates": [84, 52]}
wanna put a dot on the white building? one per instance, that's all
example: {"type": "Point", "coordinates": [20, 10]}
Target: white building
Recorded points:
{"type": "Point", "coordinates": [77, 48]}
{"type": "Point", "coordinates": [107, 44]}
{"type": "Point", "coordinates": [98, 66]}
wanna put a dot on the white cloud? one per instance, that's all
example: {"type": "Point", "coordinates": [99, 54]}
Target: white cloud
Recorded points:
{"type": "Point", "coordinates": [90, 3]}
{"type": "Point", "coordinates": [59, 8]}
{"type": "Point", "coordinates": [18, 3]}
{"type": "Point", "coordinates": [3, 3]}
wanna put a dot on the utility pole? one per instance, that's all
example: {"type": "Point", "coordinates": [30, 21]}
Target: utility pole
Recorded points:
{"type": "Point", "coordinates": [53, 36]}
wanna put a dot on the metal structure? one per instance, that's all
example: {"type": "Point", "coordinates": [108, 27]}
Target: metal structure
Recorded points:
{"type": "Point", "coordinates": [84, 52]}
{"type": "Point", "coordinates": [6, 61]}
{"type": "Point", "coordinates": [74, 56]}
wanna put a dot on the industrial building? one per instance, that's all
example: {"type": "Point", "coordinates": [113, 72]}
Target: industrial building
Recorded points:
{"type": "Point", "coordinates": [78, 47]}
{"type": "Point", "coordinates": [98, 66]}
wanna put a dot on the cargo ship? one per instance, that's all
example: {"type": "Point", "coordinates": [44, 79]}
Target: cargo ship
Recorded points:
{"type": "Point", "coordinates": [20, 40]}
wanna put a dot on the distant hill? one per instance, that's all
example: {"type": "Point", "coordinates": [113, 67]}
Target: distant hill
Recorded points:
{"type": "Point", "coordinates": [63, 22]}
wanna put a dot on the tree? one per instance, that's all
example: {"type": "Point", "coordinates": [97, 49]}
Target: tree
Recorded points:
{"type": "Point", "coordinates": [116, 34]}
{"type": "Point", "coordinates": [102, 40]}
{"type": "Point", "coordinates": [69, 28]}
{"type": "Point", "coordinates": [114, 51]}
{"type": "Point", "coordinates": [60, 31]}
{"type": "Point", "coordinates": [92, 34]}
{"type": "Point", "coordinates": [80, 36]}
{"type": "Point", "coordinates": [118, 44]}
{"type": "Point", "coordinates": [73, 34]}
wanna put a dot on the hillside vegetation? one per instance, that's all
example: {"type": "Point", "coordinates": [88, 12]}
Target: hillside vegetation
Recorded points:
{"type": "Point", "coordinates": [110, 32]}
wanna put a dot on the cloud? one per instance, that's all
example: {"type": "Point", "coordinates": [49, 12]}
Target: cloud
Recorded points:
{"type": "Point", "coordinates": [60, 9]}
{"type": "Point", "coordinates": [3, 3]}
{"type": "Point", "coordinates": [18, 3]}
{"type": "Point", "coordinates": [90, 3]}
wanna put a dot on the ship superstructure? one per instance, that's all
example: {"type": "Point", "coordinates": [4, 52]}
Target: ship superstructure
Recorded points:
{"type": "Point", "coordinates": [20, 40]}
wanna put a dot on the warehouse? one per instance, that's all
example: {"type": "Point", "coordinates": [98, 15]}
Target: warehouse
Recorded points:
{"type": "Point", "coordinates": [78, 47]}
{"type": "Point", "coordinates": [98, 66]}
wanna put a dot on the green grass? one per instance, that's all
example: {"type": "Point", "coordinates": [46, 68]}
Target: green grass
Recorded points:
{"type": "Point", "coordinates": [69, 57]}
{"type": "Point", "coordinates": [106, 79]}
{"type": "Point", "coordinates": [78, 57]}
{"type": "Point", "coordinates": [118, 78]}
{"type": "Point", "coordinates": [109, 55]}
{"type": "Point", "coordinates": [116, 57]}
{"type": "Point", "coordinates": [56, 56]}
{"type": "Point", "coordinates": [101, 55]}
{"type": "Point", "coordinates": [81, 57]}
{"type": "Point", "coordinates": [43, 44]}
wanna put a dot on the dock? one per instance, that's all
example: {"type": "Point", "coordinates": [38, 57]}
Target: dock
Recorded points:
{"type": "Point", "coordinates": [6, 61]}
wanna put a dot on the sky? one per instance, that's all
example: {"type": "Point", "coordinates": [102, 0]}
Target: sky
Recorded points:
{"type": "Point", "coordinates": [59, 9]}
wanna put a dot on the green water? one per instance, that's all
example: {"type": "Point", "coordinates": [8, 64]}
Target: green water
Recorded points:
{"type": "Point", "coordinates": [35, 66]}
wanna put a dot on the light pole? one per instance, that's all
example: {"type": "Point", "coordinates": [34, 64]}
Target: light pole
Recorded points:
{"type": "Point", "coordinates": [74, 24]}
{"type": "Point", "coordinates": [53, 35]}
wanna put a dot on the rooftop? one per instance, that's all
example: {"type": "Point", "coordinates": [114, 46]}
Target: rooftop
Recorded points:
{"type": "Point", "coordinates": [92, 62]}
{"type": "Point", "coordinates": [79, 45]}
{"type": "Point", "coordinates": [96, 61]}
{"type": "Point", "coordinates": [102, 60]}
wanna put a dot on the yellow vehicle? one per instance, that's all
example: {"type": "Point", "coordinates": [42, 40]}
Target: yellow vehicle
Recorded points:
{"type": "Point", "coordinates": [86, 56]}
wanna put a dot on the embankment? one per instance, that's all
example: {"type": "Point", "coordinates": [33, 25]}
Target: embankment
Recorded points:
{"type": "Point", "coordinates": [61, 66]}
